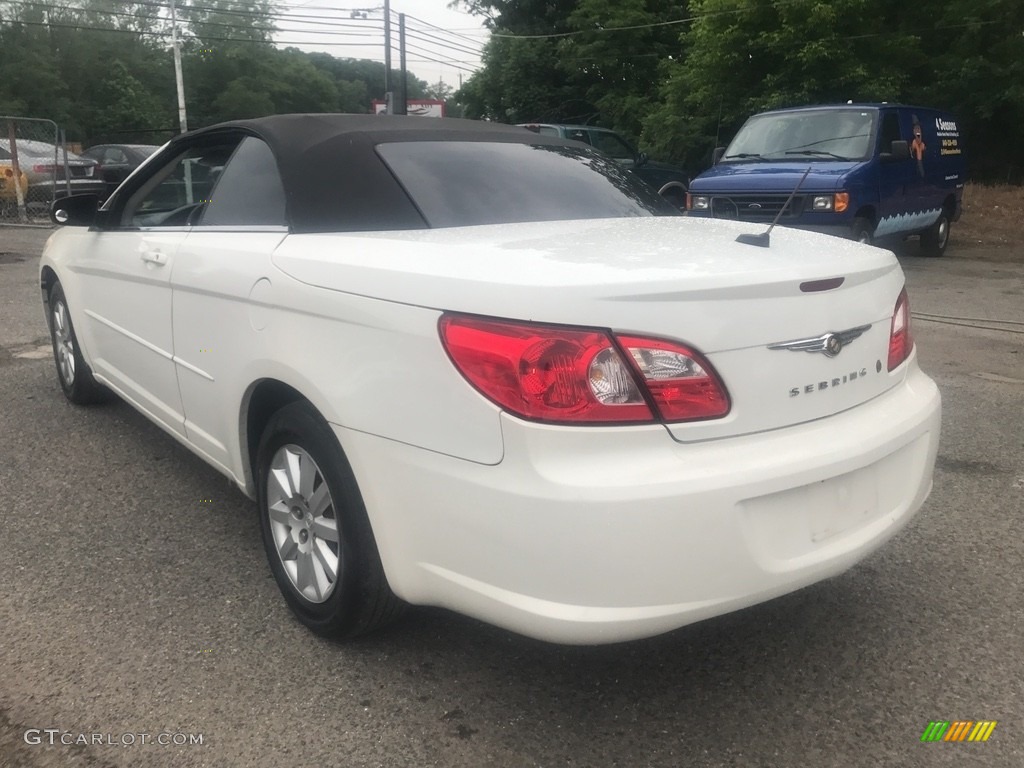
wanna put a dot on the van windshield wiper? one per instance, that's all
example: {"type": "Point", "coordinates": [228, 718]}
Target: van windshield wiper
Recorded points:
{"type": "Point", "coordinates": [818, 152]}
{"type": "Point", "coordinates": [743, 155]}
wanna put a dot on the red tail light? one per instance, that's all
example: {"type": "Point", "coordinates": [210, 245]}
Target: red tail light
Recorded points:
{"type": "Point", "coordinates": [580, 375]}
{"type": "Point", "coordinates": [683, 384]}
{"type": "Point", "coordinates": [901, 341]}
{"type": "Point", "coordinates": [43, 168]}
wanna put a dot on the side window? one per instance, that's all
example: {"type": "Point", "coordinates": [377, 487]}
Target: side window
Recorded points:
{"type": "Point", "coordinates": [890, 131]}
{"type": "Point", "coordinates": [612, 145]}
{"type": "Point", "coordinates": [577, 134]}
{"type": "Point", "coordinates": [249, 192]}
{"type": "Point", "coordinates": [114, 156]}
{"type": "Point", "coordinates": [176, 193]}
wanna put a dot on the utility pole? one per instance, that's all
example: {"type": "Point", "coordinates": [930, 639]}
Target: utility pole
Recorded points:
{"type": "Point", "coordinates": [182, 117]}
{"type": "Point", "coordinates": [389, 99]}
{"type": "Point", "coordinates": [403, 100]}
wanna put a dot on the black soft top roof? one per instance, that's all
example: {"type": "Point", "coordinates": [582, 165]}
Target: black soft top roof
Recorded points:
{"type": "Point", "coordinates": [335, 181]}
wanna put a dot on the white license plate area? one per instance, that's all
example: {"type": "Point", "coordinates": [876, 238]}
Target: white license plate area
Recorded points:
{"type": "Point", "coordinates": [800, 522]}
{"type": "Point", "coordinates": [841, 503]}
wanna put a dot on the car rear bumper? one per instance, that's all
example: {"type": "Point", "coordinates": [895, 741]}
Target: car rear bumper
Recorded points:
{"type": "Point", "coordinates": [601, 535]}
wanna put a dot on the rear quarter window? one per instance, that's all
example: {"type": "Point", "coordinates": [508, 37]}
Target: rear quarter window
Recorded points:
{"type": "Point", "coordinates": [458, 184]}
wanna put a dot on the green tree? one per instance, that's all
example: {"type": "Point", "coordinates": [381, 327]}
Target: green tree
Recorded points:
{"type": "Point", "coordinates": [127, 105]}
{"type": "Point", "coordinates": [242, 98]}
{"type": "Point", "coordinates": [975, 68]}
{"type": "Point", "coordinates": [744, 56]}
{"type": "Point", "coordinates": [30, 80]}
{"type": "Point", "coordinates": [439, 90]}
{"type": "Point", "coordinates": [522, 78]}
{"type": "Point", "coordinates": [223, 21]}
{"type": "Point", "coordinates": [359, 81]}
{"type": "Point", "coordinates": [615, 57]}
{"type": "Point", "coordinates": [591, 61]}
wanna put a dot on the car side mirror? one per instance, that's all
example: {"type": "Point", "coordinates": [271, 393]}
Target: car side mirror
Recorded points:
{"type": "Point", "coordinates": [900, 150]}
{"type": "Point", "coordinates": [75, 210]}
{"type": "Point", "coordinates": [716, 156]}
{"type": "Point", "coordinates": [641, 160]}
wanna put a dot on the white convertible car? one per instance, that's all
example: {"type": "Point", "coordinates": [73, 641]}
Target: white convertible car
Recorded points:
{"type": "Point", "coordinates": [465, 365]}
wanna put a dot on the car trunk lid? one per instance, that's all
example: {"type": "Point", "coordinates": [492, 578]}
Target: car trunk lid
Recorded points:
{"type": "Point", "coordinates": [673, 278]}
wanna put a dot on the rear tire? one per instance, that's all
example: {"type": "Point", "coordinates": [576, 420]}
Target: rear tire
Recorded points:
{"type": "Point", "coordinates": [73, 373]}
{"type": "Point", "coordinates": [316, 531]}
{"type": "Point", "coordinates": [936, 238]}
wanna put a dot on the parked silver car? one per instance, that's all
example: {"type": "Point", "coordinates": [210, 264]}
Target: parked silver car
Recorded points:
{"type": "Point", "coordinates": [43, 165]}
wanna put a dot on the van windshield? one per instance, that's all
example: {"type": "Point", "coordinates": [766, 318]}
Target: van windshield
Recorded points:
{"type": "Point", "coordinates": [827, 134]}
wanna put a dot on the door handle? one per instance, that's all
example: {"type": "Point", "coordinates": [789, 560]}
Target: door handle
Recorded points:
{"type": "Point", "coordinates": [154, 257]}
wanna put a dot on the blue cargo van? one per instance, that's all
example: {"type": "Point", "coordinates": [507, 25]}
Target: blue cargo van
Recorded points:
{"type": "Point", "coordinates": [876, 171]}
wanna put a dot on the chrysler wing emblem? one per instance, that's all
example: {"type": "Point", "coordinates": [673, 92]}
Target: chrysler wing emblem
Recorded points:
{"type": "Point", "coordinates": [829, 344]}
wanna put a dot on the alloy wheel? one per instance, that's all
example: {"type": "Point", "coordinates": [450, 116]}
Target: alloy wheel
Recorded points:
{"type": "Point", "coordinates": [65, 343]}
{"type": "Point", "coordinates": [303, 523]}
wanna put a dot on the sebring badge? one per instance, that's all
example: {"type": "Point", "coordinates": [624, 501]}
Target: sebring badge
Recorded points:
{"type": "Point", "coordinates": [829, 344]}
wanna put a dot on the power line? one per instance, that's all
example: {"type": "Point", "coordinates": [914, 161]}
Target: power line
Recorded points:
{"type": "Point", "coordinates": [371, 31]}
{"type": "Point", "coordinates": [432, 40]}
{"type": "Point", "coordinates": [374, 34]}
{"type": "Point", "coordinates": [306, 18]}
{"type": "Point", "coordinates": [651, 25]}
{"type": "Point", "coordinates": [453, 33]}
{"type": "Point", "coordinates": [167, 35]}
{"type": "Point", "coordinates": [457, 42]}
{"type": "Point", "coordinates": [413, 46]}
{"type": "Point", "coordinates": [448, 63]}
{"type": "Point", "coordinates": [731, 11]}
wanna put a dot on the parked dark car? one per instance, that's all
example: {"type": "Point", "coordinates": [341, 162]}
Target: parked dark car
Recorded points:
{"type": "Point", "coordinates": [670, 180]}
{"type": "Point", "coordinates": [43, 165]}
{"type": "Point", "coordinates": [116, 161]}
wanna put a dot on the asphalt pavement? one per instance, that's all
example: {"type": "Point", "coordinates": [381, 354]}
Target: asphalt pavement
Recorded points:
{"type": "Point", "coordinates": [138, 614]}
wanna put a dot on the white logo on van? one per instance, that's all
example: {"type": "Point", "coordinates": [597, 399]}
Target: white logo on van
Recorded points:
{"type": "Point", "coordinates": [945, 125]}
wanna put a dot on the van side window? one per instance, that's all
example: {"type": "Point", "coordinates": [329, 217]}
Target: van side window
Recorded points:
{"type": "Point", "coordinates": [890, 132]}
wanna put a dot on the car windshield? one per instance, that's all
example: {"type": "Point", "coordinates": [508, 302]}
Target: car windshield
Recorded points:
{"type": "Point", "coordinates": [833, 134]}
{"type": "Point", "coordinates": [461, 183]}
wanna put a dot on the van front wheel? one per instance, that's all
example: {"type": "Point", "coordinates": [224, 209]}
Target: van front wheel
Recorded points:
{"type": "Point", "coordinates": [935, 239]}
{"type": "Point", "coordinates": [862, 231]}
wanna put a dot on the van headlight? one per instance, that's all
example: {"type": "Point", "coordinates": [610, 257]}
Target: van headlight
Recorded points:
{"type": "Point", "coordinates": [838, 202]}
{"type": "Point", "coordinates": [699, 202]}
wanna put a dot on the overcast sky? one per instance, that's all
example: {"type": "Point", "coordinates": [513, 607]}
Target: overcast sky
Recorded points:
{"type": "Point", "coordinates": [441, 44]}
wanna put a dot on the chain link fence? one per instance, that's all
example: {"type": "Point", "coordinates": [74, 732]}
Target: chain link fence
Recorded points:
{"type": "Point", "coordinates": [36, 168]}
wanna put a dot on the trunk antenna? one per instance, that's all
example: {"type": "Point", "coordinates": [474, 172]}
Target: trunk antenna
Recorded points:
{"type": "Point", "coordinates": [763, 239]}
